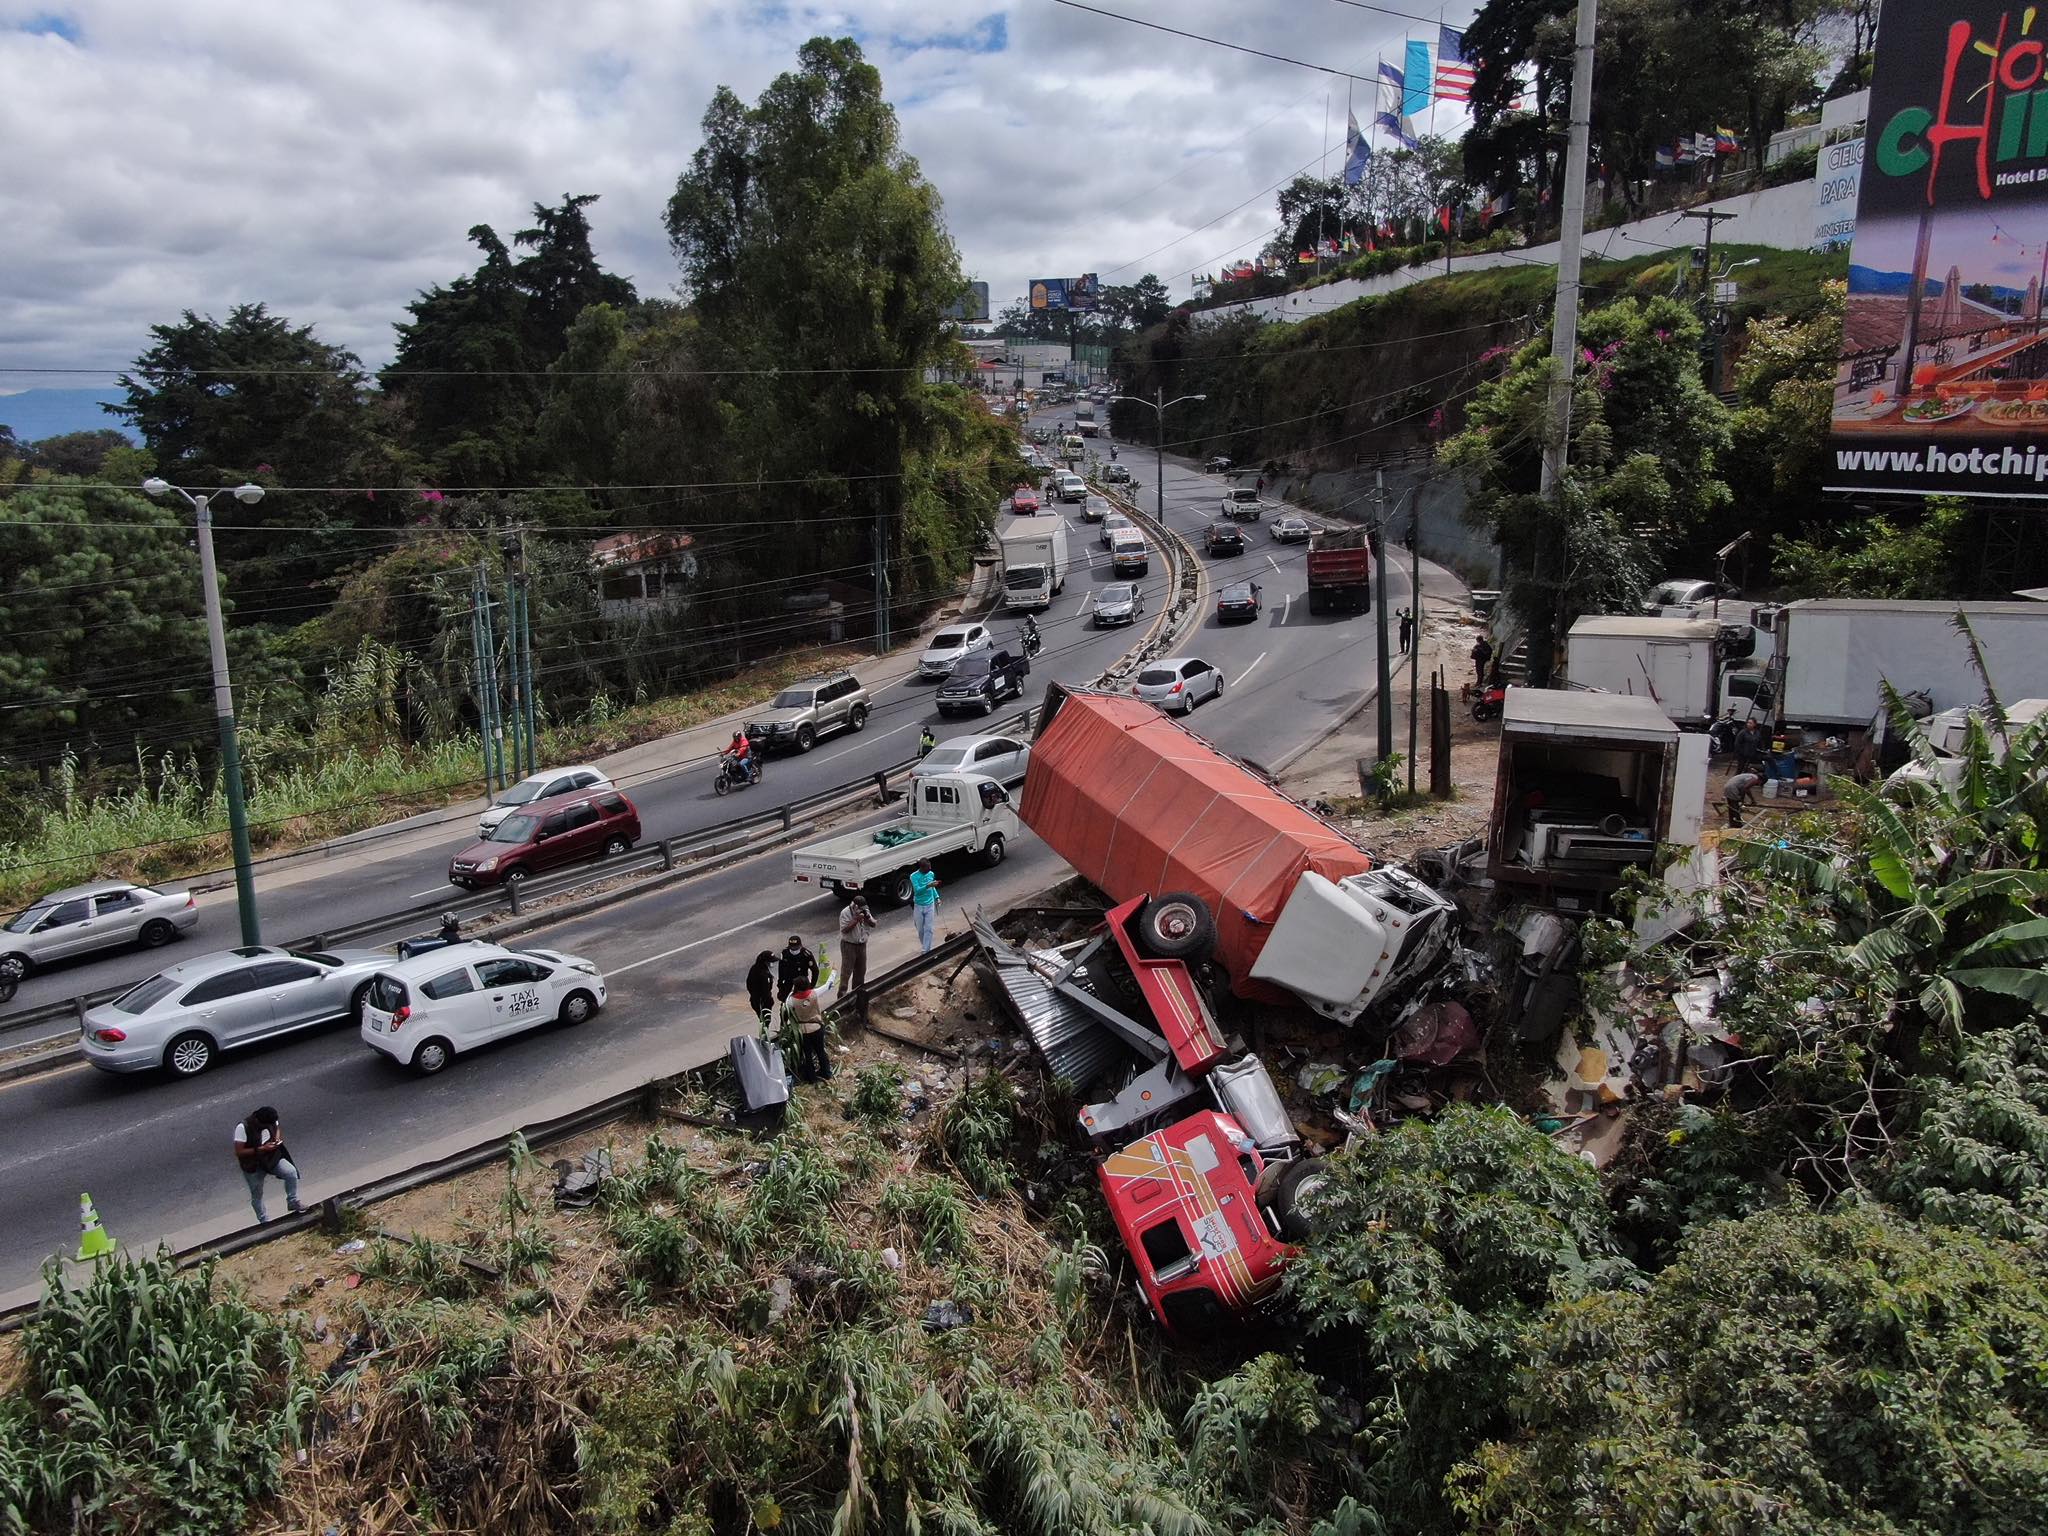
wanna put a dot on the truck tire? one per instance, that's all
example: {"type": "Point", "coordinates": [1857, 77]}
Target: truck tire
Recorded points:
{"type": "Point", "coordinates": [898, 888]}
{"type": "Point", "coordinates": [806, 738]}
{"type": "Point", "coordinates": [858, 720]}
{"type": "Point", "coordinates": [1315, 599]}
{"type": "Point", "coordinates": [1294, 1196]}
{"type": "Point", "coordinates": [992, 850]}
{"type": "Point", "coordinates": [1176, 926]}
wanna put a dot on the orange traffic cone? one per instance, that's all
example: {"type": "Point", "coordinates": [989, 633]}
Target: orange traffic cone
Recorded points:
{"type": "Point", "coordinates": [93, 1242]}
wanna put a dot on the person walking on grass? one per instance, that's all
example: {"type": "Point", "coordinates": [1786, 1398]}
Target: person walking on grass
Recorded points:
{"type": "Point", "coordinates": [856, 922]}
{"type": "Point", "coordinates": [924, 904]}
{"type": "Point", "coordinates": [260, 1154]}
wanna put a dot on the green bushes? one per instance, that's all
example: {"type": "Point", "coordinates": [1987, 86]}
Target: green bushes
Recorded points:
{"type": "Point", "coordinates": [155, 1401]}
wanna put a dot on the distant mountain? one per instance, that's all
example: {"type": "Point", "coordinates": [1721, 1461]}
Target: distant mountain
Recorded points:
{"type": "Point", "coordinates": [1898, 284]}
{"type": "Point", "coordinates": [35, 414]}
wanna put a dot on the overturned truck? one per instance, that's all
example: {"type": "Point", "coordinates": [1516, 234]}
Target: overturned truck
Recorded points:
{"type": "Point", "coordinates": [1139, 805]}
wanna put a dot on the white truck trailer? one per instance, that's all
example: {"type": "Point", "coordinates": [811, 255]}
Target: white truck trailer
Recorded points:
{"type": "Point", "coordinates": [1833, 652]}
{"type": "Point", "coordinates": [945, 814]}
{"type": "Point", "coordinates": [1669, 660]}
{"type": "Point", "coordinates": [1035, 561]}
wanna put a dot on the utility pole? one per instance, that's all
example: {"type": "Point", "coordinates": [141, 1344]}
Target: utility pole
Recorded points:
{"type": "Point", "coordinates": [492, 710]}
{"type": "Point", "coordinates": [1414, 625]}
{"type": "Point", "coordinates": [224, 698]}
{"type": "Point", "coordinates": [1710, 217]}
{"type": "Point", "coordinates": [1564, 333]}
{"type": "Point", "coordinates": [881, 581]}
{"type": "Point", "coordinates": [1159, 455]}
{"type": "Point", "coordinates": [1379, 577]}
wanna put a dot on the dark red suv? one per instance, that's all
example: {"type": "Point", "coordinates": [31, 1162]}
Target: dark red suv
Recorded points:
{"type": "Point", "coordinates": [546, 834]}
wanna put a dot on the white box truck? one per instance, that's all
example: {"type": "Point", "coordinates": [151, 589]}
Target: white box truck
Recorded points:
{"type": "Point", "coordinates": [1035, 562]}
{"type": "Point", "coordinates": [1832, 653]}
{"type": "Point", "coordinates": [1669, 660]}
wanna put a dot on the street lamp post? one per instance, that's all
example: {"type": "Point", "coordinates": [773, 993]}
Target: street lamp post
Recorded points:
{"type": "Point", "coordinates": [1157, 405]}
{"type": "Point", "coordinates": [223, 697]}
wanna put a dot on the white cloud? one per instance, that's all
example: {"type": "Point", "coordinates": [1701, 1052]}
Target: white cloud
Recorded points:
{"type": "Point", "coordinates": [328, 158]}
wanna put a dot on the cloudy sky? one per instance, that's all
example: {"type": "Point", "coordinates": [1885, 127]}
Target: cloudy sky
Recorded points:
{"type": "Point", "coordinates": [327, 158]}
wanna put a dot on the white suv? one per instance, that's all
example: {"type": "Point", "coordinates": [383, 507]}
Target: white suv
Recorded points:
{"type": "Point", "coordinates": [948, 645]}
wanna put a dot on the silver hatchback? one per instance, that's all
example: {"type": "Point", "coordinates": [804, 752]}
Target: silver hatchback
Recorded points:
{"type": "Point", "coordinates": [103, 915]}
{"type": "Point", "coordinates": [183, 1018]}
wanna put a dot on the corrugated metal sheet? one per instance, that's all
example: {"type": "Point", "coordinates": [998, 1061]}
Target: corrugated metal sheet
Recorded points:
{"type": "Point", "coordinates": [1075, 1048]}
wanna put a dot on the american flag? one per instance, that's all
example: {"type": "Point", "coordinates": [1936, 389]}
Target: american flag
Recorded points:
{"type": "Point", "coordinates": [1454, 72]}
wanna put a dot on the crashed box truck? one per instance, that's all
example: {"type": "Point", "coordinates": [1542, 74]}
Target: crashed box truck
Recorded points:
{"type": "Point", "coordinates": [1142, 806]}
{"type": "Point", "coordinates": [1669, 660]}
{"type": "Point", "coordinates": [1832, 654]}
{"type": "Point", "coordinates": [1589, 784]}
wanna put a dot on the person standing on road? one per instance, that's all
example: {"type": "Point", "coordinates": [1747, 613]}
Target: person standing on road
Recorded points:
{"type": "Point", "coordinates": [1407, 630]}
{"type": "Point", "coordinates": [856, 922]}
{"type": "Point", "coordinates": [260, 1153]}
{"type": "Point", "coordinates": [1482, 653]}
{"type": "Point", "coordinates": [924, 904]}
{"type": "Point", "coordinates": [796, 968]}
{"type": "Point", "coordinates": [1740, 790]}
{"type": "Point", "coordinates": [761, 986]}
{"type": "Point", "coordinates": [925, 742]}
{"type": "Point", "coordinates": [808, 1009]}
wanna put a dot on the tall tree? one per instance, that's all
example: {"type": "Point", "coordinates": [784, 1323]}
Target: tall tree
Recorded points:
{"type": "Point", "coordinates": [842, 320]}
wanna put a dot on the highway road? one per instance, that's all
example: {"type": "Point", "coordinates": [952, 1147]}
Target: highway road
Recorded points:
{"type": "Point", "coordinates": [155, 1154]}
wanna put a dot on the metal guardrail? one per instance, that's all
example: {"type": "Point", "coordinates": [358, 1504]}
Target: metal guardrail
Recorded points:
{"type": "Point", "coordinates": [660, 856]}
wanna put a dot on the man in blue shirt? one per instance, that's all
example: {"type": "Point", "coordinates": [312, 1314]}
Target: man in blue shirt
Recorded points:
{"type": "Point", "coordinates": [924, 904]}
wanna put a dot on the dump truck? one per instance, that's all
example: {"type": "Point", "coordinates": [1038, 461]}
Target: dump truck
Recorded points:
{"type": "Point", "coordinates": [1139, 804]}
{"type": "Point", "coordinates": [1339, 570]}
{"type": "Point", "coordinates": [944, 814]}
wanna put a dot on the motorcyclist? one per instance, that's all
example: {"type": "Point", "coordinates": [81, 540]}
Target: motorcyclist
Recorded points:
{"type": "Point", "coordinates": [742, 753]}
{"type": "Point", "coordinates": [1031, 638]}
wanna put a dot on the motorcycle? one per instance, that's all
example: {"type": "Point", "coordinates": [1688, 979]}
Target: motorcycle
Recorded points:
{"type": "Point", "coordinates": [11, 972]}
{"type": "Point", "coordinates": [450, 932]}
{"type": "Point", "coordinates": [1490, 702]}
{"type": "Point", "coordinates": [734, 774]}
{"type": "Point", "coordinates": [1722, 735]}
{"type": "Point", "coordinates": [1034, 642]}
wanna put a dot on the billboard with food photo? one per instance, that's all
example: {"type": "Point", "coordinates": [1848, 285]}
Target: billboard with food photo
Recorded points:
{"type": "Point", "coordinates": [1943, 383]}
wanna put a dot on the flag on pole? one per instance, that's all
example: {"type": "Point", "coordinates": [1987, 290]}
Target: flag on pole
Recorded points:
{"type": "Point", "coordinates": [1454, 72]}
{"type": "Point", "coordinates": [1443, 218]}
{"type": "Point", "coordinates": [1415, 81]}
{"type": "Point", "coordinates": [1357, 151]}
{"type": "Point", "coordinates": [1726, 143]}
{"type": "Point", "coordinates": [1390, 75]}
{"type": "Point", "coordinates": [1397, 128]}
{"type": "Point", "coordinates": [1667, 157]}
{"type": "Point", "coordinates": [1501, 204]}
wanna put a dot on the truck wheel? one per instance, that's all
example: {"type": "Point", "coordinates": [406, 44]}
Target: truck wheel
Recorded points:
{"type": "Point", "coordinates": [1176, 926]}
{"type": "Point", "coordinates": [899, 888]}
{"type": "Point", "coordinates": [806, 738]}
{"type": "Point", "coordinates": [992, 850]}
{"type": "Point", "coordinates": [1295, 1193]}
{"type": "Point", "coordinates": [858, 720]}
{"type": "Point", "coordinates": [1315, 600]}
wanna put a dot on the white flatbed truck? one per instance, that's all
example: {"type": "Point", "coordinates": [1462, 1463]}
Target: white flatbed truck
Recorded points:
{"type": "Point", "coordinates": [948, 814]}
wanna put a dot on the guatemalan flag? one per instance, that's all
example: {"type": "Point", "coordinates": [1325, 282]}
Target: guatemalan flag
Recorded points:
{"type": "Point", "coordinates": [1356, 152]}
{"type": "Point", "coordinates": [1454, 72]}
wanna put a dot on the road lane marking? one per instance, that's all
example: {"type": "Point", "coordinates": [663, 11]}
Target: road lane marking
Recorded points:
{"type": "Point", "coordinates": [713, 938]}
{"type": "Point", "coordinates": [1273, 563]}
{"type": "Point", "coordinates": [1247, 672]}
{"type": "Point", "coordinates": [855, 747]}
{"type": "Point", "coordinates": [1286, 607]}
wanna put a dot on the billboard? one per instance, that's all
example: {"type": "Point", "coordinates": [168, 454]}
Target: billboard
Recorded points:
{"type": "Point", "coordinates": [971, 307]}
{"type": "Point", "coordinates": [1837, 178]}
{"type": "Point", "coordinates": [1084, 293]}
{"type": "Point", "coordinates": [1943, 382]}
{"type": "Point", "coordinates": [1048, 293]}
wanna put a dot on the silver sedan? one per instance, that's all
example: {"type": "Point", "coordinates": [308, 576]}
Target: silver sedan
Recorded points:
{"type": "Point", "coordinates": [183, 1018]}
{"type": "Point", "coordinates": [1178, 683]}
{"type": "Point", "coordinates": [103, 915]}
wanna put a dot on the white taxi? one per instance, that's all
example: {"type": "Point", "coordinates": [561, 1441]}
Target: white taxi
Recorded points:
{"type": "Point", "coordinates": [425, 1011]}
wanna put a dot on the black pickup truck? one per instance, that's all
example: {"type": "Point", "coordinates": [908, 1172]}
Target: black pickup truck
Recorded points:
{"type": "Point", "coordinates": [979, 683]}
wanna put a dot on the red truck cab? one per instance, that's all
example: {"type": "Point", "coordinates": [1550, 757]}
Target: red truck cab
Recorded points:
{"type": "Point", "coordinates": [1186, 1203]}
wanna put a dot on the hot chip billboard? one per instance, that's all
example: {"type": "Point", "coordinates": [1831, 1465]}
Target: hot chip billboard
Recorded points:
{"type": "Point", "coordinates": [1943, 381]}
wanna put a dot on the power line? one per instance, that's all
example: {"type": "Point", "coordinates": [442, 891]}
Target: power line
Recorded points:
{"type": "Point", "coordinates": [1216, 42]}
